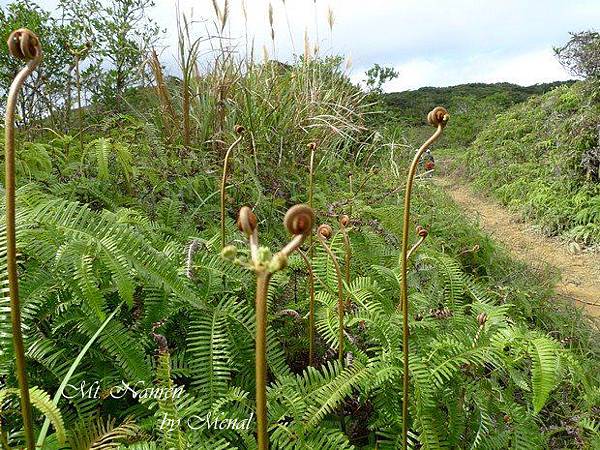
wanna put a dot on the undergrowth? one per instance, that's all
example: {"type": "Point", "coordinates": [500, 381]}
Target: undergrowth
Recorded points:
{"type": "Point", "coordinates": [540, 159]}
{"type": "Point", "coordinates": [122, 282]}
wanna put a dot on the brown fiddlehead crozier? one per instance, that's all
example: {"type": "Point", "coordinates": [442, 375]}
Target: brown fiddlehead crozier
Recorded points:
{"type": "Point", "coordinates": [25, 45]}
{"type": "Point", "coordinates": [422, 234]}
{"type": "Point", "coordinates": [299, 222]}
{"type": "Point", "coordinates": [438, 118]}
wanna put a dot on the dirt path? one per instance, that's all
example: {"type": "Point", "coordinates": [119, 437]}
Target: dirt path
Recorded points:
{"type": "Point", "coordinates": [580, 272]}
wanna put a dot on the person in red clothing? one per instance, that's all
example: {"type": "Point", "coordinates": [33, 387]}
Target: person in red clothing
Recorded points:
{"type": "Point", "coordinates": [427, 161]}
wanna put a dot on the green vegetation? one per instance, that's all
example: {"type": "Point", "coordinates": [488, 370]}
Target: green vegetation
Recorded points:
{"type": "Point", "coordinates": [473, 105]}
{"type": "Point", "coordinates": [122, 280]}
{"type": "Point", "coordinates": [541, 159]}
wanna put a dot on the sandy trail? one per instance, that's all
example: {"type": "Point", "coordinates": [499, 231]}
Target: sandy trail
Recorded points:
{"type": "Point", "coordinates": [580, 273]}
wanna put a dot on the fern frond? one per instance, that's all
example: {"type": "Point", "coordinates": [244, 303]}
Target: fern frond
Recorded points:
{"type": "Point", "coordinates": [102, 149]}
{"type": "Point", "coordinates": [98, 434]}
{"type": "Point", "coordinates": [544, 370]}
{"type": "Point", "coordinates": [41, 401]}
{"type": "Point", "coordinates": [209, 352]}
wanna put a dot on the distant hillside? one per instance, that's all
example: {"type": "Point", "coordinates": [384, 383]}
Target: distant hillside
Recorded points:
{"type": "Point", "coordinates": [418, 103]}
{"type": "Point", "coordinates": [471, 106]}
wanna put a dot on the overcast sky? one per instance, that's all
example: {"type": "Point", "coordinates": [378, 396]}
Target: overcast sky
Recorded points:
{"type": "Point", "coordinates": [430, 43]}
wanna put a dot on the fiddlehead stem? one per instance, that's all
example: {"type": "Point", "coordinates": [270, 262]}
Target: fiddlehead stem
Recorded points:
{"type": "Point", "coordinates": [438, 118]}
{"type": "Point", "coordinates": [299, 222]}
{"type": "Point", "coordinates": [240, 131]}
{"type": "Point", "coordinates": [312, 146]}
{"type": "Point", "coordinates": [324, 232]}
{"type": "Point", "coordinates": [311, 309]}
{"type": "Point", "coordinates": [248, 224]}
{"type": "Point", "coordinates": [344, 222]}
{"type": "Point", "coordinates": [25, 45]}
{"type": "Point", "coordinates": [262, 290]}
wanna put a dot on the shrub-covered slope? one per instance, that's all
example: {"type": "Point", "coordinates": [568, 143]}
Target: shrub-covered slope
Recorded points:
{"type": "Point", "coordinates": [541, 158]}
{"type": "Point", "coordinates": [472, 105]}
{"type": "Point", "coordinates": [418, 102]}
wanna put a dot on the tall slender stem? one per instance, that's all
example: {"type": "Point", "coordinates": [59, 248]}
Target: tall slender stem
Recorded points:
{"type": "Point", "coordinates": [79, 110]}
{"type": "Point", "coordinates": [344, 221]}
{"type": "Point", "coordinates": [20, 44]}
{"type": "Point", "coordinates": [311, 310]}
{"type": "Point", "coordinates": [239, 130]}
{"type": "Point", "coordinates": [298, 221]}
{"type": "Point", "coordinates": [311, 180]}
{"type": "Point", "coordinates": [262, 289]}
{"type": "Point", "coordinates": [439, 119]}
{"type": "Point", "coordinates": [340, 304]}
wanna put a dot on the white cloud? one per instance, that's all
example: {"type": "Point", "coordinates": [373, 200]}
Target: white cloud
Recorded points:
{"type": "Point", "coordinates": [538, 66]}
{"type": "Point", "coordinates": [530, 68]}
{"type": "Point", "coordinates": [430, 43]}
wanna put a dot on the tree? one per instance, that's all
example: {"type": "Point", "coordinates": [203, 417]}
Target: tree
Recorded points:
{"type": "Point", "coordinates": [378, 75]}
{"type": "Point", "coordinates": [44, 92]}
{"type": "Point", "coordinates": [581, 54]}
{"type": "Point", "coordinates": [122, 34]}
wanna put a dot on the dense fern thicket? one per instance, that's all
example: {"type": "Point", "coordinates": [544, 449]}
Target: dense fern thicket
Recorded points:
{"type": "Point", "coordinates": [80, 266]}
{"type": "Point", "coordinates": [122, 284]}
{"type": "Point", "coordinates": [542, 159]}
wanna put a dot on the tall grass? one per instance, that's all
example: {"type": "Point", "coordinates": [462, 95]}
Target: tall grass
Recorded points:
{"type": "Point", "coordinates": [283, 106]}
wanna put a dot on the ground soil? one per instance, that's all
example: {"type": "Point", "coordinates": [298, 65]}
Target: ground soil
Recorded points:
{"type": "Point", "coordinates": [579, 270]}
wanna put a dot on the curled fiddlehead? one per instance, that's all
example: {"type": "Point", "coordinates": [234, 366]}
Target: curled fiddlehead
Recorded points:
{"type": "Point", "coordinates": [481, 321]}
{"type": "Point", "coordinates": [299, 222]}
{"type": "Point", "coordinates": [25, 45]}
{"type": "Point", "coordinates": [248, 224]}
{"type": "Point", "coordinates": [438, 118]}
{"type": "Point", "coordinates": [421, 234]}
